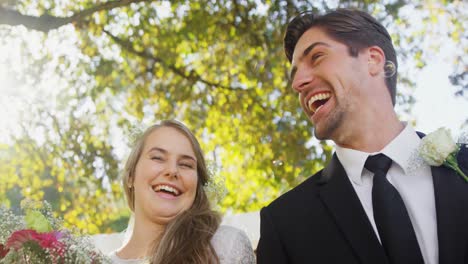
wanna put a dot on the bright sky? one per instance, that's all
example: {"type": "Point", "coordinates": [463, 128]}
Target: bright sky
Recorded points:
{"type": "Point", "coordinates": [436, 106]}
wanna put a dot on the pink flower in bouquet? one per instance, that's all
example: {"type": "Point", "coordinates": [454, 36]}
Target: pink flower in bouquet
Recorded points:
{"type": "Point", "coordinates": [50, 240]}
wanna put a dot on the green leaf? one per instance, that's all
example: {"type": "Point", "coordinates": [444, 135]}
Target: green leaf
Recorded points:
{"type": "Point", "coordinates": [37, 221]}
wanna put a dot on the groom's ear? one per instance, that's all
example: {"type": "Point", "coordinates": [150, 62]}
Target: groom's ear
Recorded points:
{"type": "Point", "coordinates": [376, 61]}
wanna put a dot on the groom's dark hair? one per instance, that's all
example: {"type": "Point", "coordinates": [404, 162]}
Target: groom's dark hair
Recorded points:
{"type": "Point", "coordinates": [354, 28]}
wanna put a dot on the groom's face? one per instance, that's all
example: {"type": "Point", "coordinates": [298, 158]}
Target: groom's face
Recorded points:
{"type": "Point", "coordinates": [328, 80]}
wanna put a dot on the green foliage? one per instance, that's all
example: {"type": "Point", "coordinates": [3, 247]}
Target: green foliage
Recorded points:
{"type": "Point", "coordinates": [35, 220]}
{"type": "Point", "coordinates": [218, 66]}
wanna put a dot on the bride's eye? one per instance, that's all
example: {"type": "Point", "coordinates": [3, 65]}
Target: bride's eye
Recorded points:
{"type": "Point", "coordinates": [187, 165]}
{"type": "Point", "coordinates": [156, 158]}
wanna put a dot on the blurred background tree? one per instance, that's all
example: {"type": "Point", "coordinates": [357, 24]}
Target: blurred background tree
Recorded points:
{"type": "Point", "coordinates": [89, 74]}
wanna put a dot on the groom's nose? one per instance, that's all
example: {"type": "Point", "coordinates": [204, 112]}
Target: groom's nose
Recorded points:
{"type": "Point", "coordinates": [302, 78]}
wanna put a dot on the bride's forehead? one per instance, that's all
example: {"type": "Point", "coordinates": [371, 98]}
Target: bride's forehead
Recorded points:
{"type": "Point", "coordinates": [169, 141]}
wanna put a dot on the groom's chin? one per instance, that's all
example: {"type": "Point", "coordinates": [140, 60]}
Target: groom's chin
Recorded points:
{"type": "Point", "coordinates": [326, 131]}
{"type": "Point", "coordinates": [318, 136]}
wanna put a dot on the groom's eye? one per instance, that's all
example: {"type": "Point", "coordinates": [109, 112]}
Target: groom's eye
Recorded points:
{"type": "Point", "coordinates": [316, 56]}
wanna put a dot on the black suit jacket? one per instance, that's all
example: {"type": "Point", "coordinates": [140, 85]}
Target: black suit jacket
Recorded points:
{"type": "Point", "coordinates": [322, 221]}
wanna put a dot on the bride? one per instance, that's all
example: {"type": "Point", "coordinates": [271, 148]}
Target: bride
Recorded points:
{"type": "Point", "coordinates": [173, 223]}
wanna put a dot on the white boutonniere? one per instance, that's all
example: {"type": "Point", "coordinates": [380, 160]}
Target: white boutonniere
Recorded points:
{"type": "Point", "coordinates": [438, 148]}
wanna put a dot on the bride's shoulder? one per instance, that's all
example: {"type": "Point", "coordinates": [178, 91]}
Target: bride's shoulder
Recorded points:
{"type": "Point", "coordinates": [232, 245]}
{"type": "Point", "coordinates": [224, 231]}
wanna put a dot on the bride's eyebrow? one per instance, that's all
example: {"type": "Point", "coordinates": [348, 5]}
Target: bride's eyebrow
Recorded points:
{"type": "Point", "coordinates": [157, 149]}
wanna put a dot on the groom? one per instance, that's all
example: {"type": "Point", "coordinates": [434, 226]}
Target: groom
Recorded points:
{"type": "Point", "coordinates": [372, 203]}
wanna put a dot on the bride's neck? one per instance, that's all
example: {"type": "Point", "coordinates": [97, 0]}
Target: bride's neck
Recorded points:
{"type": "Point", "coordinates": [143, 237]}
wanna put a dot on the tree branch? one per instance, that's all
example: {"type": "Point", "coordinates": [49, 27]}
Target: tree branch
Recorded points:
{"type": "Point", "coordinates": [46, 22]}
{"type": "Point", "coordinates": [42, 23]}
{"type": "Point", "coordinates": [105, 6]}
{"type": "Point", "coordinates": [190, 75]}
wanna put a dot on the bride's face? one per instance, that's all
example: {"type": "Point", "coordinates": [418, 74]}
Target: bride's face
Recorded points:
{"type": "Point", "coordinates": [165, 176]}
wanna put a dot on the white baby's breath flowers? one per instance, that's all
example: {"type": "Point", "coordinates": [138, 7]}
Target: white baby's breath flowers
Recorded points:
{"type": "Point", "coordinates": [436, 147]}
{"type": "Point", "coordinates": [9, 223]}
{"type": "Point", "coordinates": [463, 138]}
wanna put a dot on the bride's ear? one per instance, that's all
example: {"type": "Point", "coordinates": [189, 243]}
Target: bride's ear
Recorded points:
{"type": "Point", "coordinates": [130, 182]}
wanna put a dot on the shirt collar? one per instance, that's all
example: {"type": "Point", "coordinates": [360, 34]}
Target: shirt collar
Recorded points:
{"type": "Point", "coordinates": [402, 147]}
{"type": "Point", "coordinates": [399, 150]}
{"type": "Point", "coordinates": [352, 161]}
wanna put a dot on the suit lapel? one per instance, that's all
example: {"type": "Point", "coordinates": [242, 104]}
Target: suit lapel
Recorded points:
{"type": "Point", "coordinates": [449, 210]}
{"type": "Point", "coordinates": [344, 205]}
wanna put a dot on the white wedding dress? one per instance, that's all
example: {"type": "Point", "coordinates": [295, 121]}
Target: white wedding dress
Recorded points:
{"type": "Point", "coordinates": [231, 245]}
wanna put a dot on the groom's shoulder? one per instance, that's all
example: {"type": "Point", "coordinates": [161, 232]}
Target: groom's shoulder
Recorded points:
{"type": "Point", "coordinates": [296, 196]}
{"type": "Point", "coordinates": [462, 157]}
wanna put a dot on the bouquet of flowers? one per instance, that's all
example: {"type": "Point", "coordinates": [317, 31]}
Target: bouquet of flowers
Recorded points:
{"type": "Point", "coordinates": [38, 237]}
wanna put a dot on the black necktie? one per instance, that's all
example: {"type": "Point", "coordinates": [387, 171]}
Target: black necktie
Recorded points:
{"type": "Point", "coordinates": [393, 223]}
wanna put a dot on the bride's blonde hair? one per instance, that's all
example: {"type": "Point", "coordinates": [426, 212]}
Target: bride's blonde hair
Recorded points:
{"type": "Point", "coordinates": [186, 238]}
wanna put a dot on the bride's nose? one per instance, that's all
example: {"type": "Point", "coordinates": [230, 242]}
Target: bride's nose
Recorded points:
{"type": "Point", "coordinates": [172, 170]}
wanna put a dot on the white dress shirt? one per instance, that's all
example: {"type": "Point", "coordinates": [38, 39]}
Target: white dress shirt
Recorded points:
{"type": "Point", "coordinates": [414, 185]}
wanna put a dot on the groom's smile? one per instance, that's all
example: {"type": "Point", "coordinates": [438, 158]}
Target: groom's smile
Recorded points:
{"type": "Point", "coordinates": [317, 100]}
{"type": "Point", "coordinates": [317, 103]}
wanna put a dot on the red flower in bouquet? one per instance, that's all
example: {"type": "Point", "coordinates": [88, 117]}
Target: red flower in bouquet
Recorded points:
{"type": "Point", "coordinates": [18, 238]}
{"type": "Point", "coordinates": [46, 241]}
